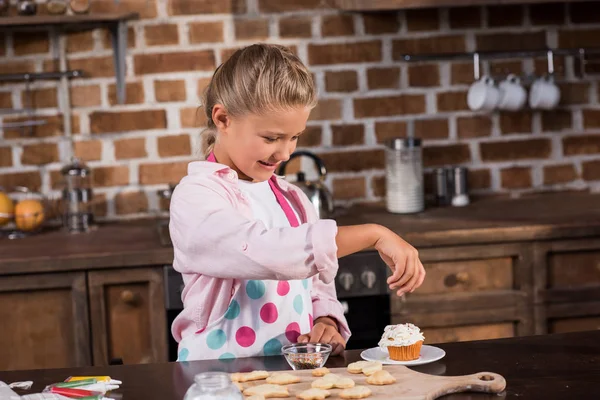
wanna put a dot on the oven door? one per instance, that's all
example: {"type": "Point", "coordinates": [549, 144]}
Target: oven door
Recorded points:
{"type": "Point", "coordinates": [367, 317]}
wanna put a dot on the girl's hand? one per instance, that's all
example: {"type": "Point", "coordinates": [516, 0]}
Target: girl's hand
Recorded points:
{"type": "Point", "coordinates": [403, 259]}
{"type": "Point", "coordinates": [325, 331]}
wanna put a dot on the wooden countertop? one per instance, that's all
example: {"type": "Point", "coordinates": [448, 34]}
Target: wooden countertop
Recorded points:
{"type": "Point", "coordinates": [561, 215]}
{"type": "Point", "coordinates": [565, 366]}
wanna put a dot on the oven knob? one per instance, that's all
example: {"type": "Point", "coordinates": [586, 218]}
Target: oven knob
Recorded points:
{"type": "Point", "coordinates": [346, 280]}
{"type": "Point", "coordinates": [368, 279]}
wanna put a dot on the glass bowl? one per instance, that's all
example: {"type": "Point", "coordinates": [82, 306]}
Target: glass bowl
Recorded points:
{"type": "Point", "coordinates": [306, 355]}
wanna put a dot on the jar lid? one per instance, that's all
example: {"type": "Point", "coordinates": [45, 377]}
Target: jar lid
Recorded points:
{"type": "Point", "coordinates": [76, 168]}
{"type": "Point", "coordinates": [403, 143]}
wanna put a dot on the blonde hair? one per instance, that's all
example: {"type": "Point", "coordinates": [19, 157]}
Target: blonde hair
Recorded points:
{"type": "Point", "coordinates": [254, 80]}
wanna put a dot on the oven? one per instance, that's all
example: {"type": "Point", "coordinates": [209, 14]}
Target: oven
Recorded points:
{"type": "Point", "coordinates": [361, 288]}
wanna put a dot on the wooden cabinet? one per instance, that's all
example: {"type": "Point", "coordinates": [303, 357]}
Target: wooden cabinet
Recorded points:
{"type": "Point", "coordinates": [44, 321]}
{"type": "Point", "coordinates": [128, 316]}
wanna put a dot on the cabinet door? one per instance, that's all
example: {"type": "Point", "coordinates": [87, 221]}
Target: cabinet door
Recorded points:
{"type": "Point", "coordinates": [128, 316]}
{"type": "Point", "coordinates": [44, 321]}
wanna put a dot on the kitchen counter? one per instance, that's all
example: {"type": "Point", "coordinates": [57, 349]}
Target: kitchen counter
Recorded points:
{"type": "Point", "coordinates": [494, 220]}
{"type": "Point", "coordinates": [565, 366]}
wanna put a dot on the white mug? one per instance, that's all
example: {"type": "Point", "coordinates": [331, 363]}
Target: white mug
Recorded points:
{"type": "Point", "coordinates": [512, 94]}
{"type": "Point", "coordinates": [483, 95]}
{"type": "Point", "coordinates": [544, 94]}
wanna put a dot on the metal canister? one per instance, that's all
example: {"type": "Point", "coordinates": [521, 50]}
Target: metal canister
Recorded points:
{"type": "Point", "coordinates": [460, 197]}
{"type": "Point", "coordinates": [404, 176]}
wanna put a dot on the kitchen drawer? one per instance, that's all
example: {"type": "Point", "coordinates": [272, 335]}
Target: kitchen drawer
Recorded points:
{"type": "Point", "coordinates": [564, 325]}
{"type": "Point", "coordinates": [573, 269]}
{"type": "Point", "coordinates": [468, 276]}
{"type": "Point", "coordinates": [469, 332]}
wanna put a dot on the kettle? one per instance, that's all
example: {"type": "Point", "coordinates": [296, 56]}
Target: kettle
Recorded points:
{"type": "Point", "coordinates": [316, 191]}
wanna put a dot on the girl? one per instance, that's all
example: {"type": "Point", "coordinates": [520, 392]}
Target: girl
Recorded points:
{"type": "Point", "coordinates": [257, 264]}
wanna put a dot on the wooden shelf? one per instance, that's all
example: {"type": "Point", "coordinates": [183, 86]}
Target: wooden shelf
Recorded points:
{"type": "Point", "coordinates": [63, 21]}
{"type": "Point", "coordinates": [380, 5]}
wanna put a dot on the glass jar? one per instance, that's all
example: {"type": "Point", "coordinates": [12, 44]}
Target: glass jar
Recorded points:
{"type": "Point", "coordinates": [77, 197]}
{"type": "Point", "coordinates": [213, 386]}
{"type": "Point", "coordinates": [404, 176]}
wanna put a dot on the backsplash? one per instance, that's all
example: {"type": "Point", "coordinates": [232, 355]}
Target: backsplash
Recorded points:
{"type": "Point", "coordinates": [366, 96]}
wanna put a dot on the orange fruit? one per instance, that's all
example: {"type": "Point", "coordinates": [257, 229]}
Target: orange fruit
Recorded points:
{"type": "Point", "coordinates": [7, 208]}
{"type": "Point", "coordinates": [29, 214]}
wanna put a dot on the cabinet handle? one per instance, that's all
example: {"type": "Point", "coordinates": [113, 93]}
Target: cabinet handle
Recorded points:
{"type": "Point", "coordinates": [128, 297]}
{"type": "Point", "coordinates": [454, 279]}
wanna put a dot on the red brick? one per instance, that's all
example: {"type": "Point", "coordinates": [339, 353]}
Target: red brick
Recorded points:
{"type": "Point", "coordinates": [312, 137]}
{"type": "Point", "coordinates": [134, 93]}
{"type": "Point", "coordinates": [516, 150]}
{"type": "Point", "coordinates": [201, 60]}
{"type": "Point", "coordinates": [516, 178]}
{"type": "Point", "coordinates": [146, 8]}
{"type": "Point", "coordinates": [569, 38]}
{"type": "Point", "coordinates": [452, 101]}
{"type": "Point", "coordinates": [591, 118]}
{"type": "Point", "coordinates": [31, 43]}
{"type": "Point", "coordinates": [131, 203]}
{"type": "Point", "coordinates": [585, 13]}
{"type": "Point", "coordinates": [110, 122]}
{"type": "Point", "coordinates": [110, 176]}
{"type": "Point", "coordinates": [555, 174]}
{"type": "Point", "coordinates": [515, 122]}
{"type": "Point", "coordinates": [503, 67]}
{"type": "Point", "coordinates": [346, 135]}
{"type": "Point", "coordinates": [465, 17]}
{"type": "Point", "coordinates": [446, 155]}
{"type": "Point", "coordinates": [511, 41]}
{"type": "Point", "coordinates": [556, 120]}
{"type": "Point", "coordinates": [431, 128]}
{"type": "Point", "coordinates": [206, 32]}
{"type": "Point", "coordinates": [591, 170]}
{"type": "Point", "coordinates": [89, 150]}
{"type": "Point", "coordinates": [505, 15]}
{"type": "Point", "coordinates": [165, 91]}
{"type": "Point", "coordinates": [187, 7]}
{"type": "Point", "coordinates": [202, 85]}
{"type": "Point", "coordinates": [31, 180]}
{"type": "Point", "coordinates": [295, 27]}
{"type": "Point", "coordinates": [547, 14]}
{"type": "Point", "coordinates": [174, 145]}
{"type": "Point", "coordinates": [80, 41]}
{"type": "Point", "coordinates": [327, 109]}
{"type": "Point", "coordinates": [422, 19]}
{"type": "Point", "coordinates": [130, 148]}
{"type": "Point", "coordinates": [337, 25]}
{"type": "Point", "coordinates": [423, 75]}
{"type": "Point", "coordinates": [574, 92]}
{"type": "Point", "coordinates": [251, 29]}
{"type": "Point", "coordinates": [41, 98]}
{"type": "Point", "coordinates": [436, 44]}
{"type": "Point", "coordinates": [16, 67]}
{"type": "Point", "coordinates": [349, 188]}
{"type": "Point", "coordinates": [540, 66]}
{"type": "Point", "coordinates": [6, 100]}
{"type": "Point", "coordinates": [461, 73]}
{"type": "Point", "coordinates": [385, 131]}
{"type": "Point", "coordinates": [379, 23]}
{"type": "Point", "coordinates": [479, 179]}
{"type": "Point", "coordinates": [107, 38]}
{"type": "Point", "coordinates": [53, 127]}
{"type": "Point", "coordinates": [341, 81]}
{"type": "Point", "coordinates": [227, 53]}
{"type": "Point", "coordinates": [94, 67]}
{"type": "Point", "coordinates": [378, 185]}
{"type": "Point", "coordinates": [320, 54]}
{"type": "Point", "coordinates": [100, 205]}
{"type": "Point", "coordinates": [160, 35]}
{"type": "Point", "coordinates": [192, 117]}
{"type": "Point", "coordinates": [6, 158]}
{"type": "Point", "coordinates": [582, 144]}
{"type": "Point", "coordinates": [383, 78]}
{"type": "Point", "coordinates": [276, 6]}
{"type": "Point", "coordinates": [85, 96]}
{"type": "Point", "coordinates": [473, 127]}
{"type": "Point", "coordinates": [39, 154]}
{"type": "Point", "coordinates": [153, 174]}
{"type": "Point", "coordinates": [354, 161]}
{"type": "Point", "coordinates": [389, 105]}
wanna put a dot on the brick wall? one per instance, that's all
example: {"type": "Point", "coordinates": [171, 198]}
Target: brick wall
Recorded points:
{"type": "Point", "coordinates": [366, 96]}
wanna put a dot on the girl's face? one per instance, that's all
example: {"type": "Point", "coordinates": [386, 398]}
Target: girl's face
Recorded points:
{"type": "Point", "coordinates": [255, 145]}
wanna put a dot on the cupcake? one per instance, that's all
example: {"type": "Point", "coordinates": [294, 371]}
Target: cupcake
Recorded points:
{"type": "Point", "coordinates": [403, 341]}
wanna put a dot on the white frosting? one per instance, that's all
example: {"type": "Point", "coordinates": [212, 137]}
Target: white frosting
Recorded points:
{"type": "Point", "coordinates": [400, 335]}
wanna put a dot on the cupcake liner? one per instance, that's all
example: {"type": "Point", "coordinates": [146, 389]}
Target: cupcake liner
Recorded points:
{"type": "Point", "coordinates": [405, 353]}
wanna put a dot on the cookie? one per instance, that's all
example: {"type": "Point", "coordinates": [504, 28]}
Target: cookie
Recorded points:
{"type": "Point", "coordinates": [344, 383]}
{"type": "Point", "coordinates": [249, 376]}
{"type": "Point", "coordinates": [331, 377]}
{"type": "Point", "coordinates": [313, 394]}
{"type": "Point", "coordinates": [381, 378]}
{"type": "Point", "coordinates": [320, 371]}
{"type": "Point", "coordinates": [267, 390]}
{"type": "Point", "coordinates": [356, 367]}
{"type": "Point", "coordinates": [323, 383]}
{"type": "Point", "coordinates": [239, 386]}
{"type": "Point", "coordinates": [357, 392]}
{"type": "Point", "coordinates": [283, 378]}
{"type": "Point", "coordinates": [256, 397]}
{"type": "Point", "coordinates": [371, 367]}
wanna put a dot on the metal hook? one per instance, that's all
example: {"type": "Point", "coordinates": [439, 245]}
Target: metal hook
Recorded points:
{"type": "Point", "coordinates": [476, 66]}
{"type": "Point", "coordinates": [550, 56]}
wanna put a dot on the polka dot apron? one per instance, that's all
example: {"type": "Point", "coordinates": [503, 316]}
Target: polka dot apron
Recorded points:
{"type": "Point", "coordinates": [263, 315]}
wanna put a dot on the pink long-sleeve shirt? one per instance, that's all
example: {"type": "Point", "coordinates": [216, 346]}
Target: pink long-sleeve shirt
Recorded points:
{"type": "Point", "coordinates": [217, 243]}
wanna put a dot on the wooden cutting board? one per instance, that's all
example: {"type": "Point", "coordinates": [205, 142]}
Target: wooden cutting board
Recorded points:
{"type": "Point", "coordinates": [409, 384]}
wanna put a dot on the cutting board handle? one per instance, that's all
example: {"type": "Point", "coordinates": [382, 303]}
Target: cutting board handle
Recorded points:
{"type": "Point", "coordinates": [487, 382]}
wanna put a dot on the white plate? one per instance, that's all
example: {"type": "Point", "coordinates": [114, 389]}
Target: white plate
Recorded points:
{"type": "Point", "coordinates": [428, 354]}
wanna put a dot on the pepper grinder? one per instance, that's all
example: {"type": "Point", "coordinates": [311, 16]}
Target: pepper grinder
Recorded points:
{"type": "Point", "coordinates": [77, 197]}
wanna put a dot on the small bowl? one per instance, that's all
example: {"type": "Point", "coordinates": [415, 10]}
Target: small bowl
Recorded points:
{"type": "Point", "coordinates": [306, 355]}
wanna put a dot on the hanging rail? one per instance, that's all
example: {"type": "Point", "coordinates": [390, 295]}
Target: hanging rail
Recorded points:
{"type": "Point", "coordinates": [499, 54]}
{"type": "Point", "coordinates": [35, 76]}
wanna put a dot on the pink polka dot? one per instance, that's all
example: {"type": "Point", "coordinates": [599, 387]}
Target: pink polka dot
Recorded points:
{"type": "Point", "coordinates": [283, 288]}
{"type": "Point", "coordinates": [245, 336]}
{"type": "Point", "coordinates": [310, 321]}
{"type": "Point", "coordinates": [268, 313]}
{"type": "Point", "coordinates": [292, 332]}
